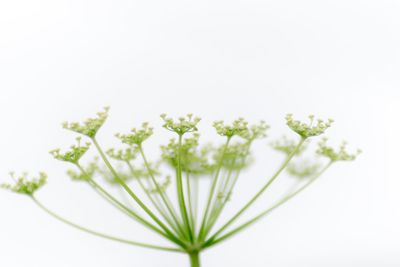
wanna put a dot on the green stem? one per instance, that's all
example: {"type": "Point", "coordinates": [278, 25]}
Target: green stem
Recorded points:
{"type": "Point", "coordinates": [211, 193]}
{"type": "Point", "coordinates": [218, 205]}
{"type": "Point", "coordinates": [190, 202]}
{"type": "Point", "coordinates": [135, 197]}
{"type": "Point", "coordinates": [163, 196]}
{"type": "Point", "coordinates": [194, 259]}
{"type": "Point", "coordinates": [158, 207]}
{"type": "Point", "coordinates": [195, 196]}
{"type": "Point", "coordinates": [110, 201]}
{"type": "Point", "coordinates": [259, 193]}
{"type": "Point", "coordinates": [120, 205]}
{"type": "Point", "coordinates": [84, 229]}
{"type": "Point", "coordinates": [179, 188]}
{"type": "Point", "coordinates": [228, 188]}
{"type": "Point", "coordinates": [212, 242]}
{"type": "Point", "coordinates": [125, 198]}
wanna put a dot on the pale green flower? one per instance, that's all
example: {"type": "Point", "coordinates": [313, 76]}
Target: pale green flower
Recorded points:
{"type": "Point", "coordinates": [136, 136]}
{"type": "Point", "coordinates": [161, 186]}
{"type": "Point", "coordinates": [194, 159]}
{"type": "Point", "coordinates": [303, 169]}
{"type": "Point", "coordinates": [308, 130]}
{"type": "Point", "coordinates": [127, 154]}
{"type": "Point", "coordinates": [90, 170]}
{"type": "Point", "coordinates": [238, 127]}
{"type": "Point", "coordinates": [287, 146]}
{"type": "Point", "coordinates": [74, 154]}
{"type": "Point", "coordinates": [182, 125]}
{"type": "Point", "coordinates": [336, 155]}
{"type": "Point", "coordinates": [255, 131]}
{"type": "Point", "coordinates": [90, 126]}
{"type": "Point", "coordinates": [25, 185]}
{"type": "Point", "coordinates": [185, 217]}
{"type": "Point", "coordinates": [235, 156]}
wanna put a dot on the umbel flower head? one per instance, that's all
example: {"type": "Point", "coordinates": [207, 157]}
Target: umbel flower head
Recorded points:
{"type": "Point", "coordinates": [123, 174]}
{"type": "Point", "coordinates": [74, 154]}
{"type": "Point", "coordinates": [161, 186]}
{"type": "Point", "coordinates": [182, 125]}
{"type": "Point", "coordinates": [89, 172]}
{"type": "Point", "coordinates": [25, 185]}
{"type": "Point", "coordinates": [193, 159]}
{"type": "Point", "coordinates": [238, 127]}
{"type": "Point", "coordinates": [182, 218]}
{"type": "Point", "coordinates": [127, 154]}
{"type": "Point", "coordinates": [146, 171]}
{"type": "Point", "coordinates": [287, 146]}
{"type": "Point", "coordinates": [90, 126]}
{"type": "Point", "coordinates": [137, 136]}
{"type": "Point", "coordinates": [302, 169]}
{"type": "Point", "coordinates": [255, 131]}
{"type": "Point", "coordinates": [234, 157]}
{"type": "Point", "coordinates": [336, 155]}
{"type": "Point", "coordinates": [308, 130]}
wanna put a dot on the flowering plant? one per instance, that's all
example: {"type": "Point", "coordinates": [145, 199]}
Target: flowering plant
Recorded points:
{"type": "Point", "coordinates": [178, 216]}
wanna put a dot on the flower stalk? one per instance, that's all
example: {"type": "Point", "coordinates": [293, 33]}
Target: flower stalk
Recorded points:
{"type": "Point", "coordinates": [182, 220]}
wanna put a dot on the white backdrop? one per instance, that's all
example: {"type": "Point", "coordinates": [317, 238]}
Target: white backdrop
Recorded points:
{"type": "Point", "coordinates": [64, 60]}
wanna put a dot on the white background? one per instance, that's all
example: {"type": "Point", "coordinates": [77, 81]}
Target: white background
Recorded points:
{"type": "Point", "coordinates": [64, 60]}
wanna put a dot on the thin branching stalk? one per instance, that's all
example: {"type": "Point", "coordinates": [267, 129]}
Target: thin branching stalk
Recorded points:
{"type": "Point", "coordinates": [189, 195]}
{"type": "Point", "coordinates": [124, 208]}
{"type": "Point", "coordinates": [135, 197]}
{"type": "Point", "coordinates": [227, 189]}
{"type": "Point", "coordinates": [211, 241]}
{"type": "Point", "coordinates": [212, 190]}
{"type": "Point", "coordinates": [261, 191]}
{"type": "Point", "coordinates": [179, 188]}
{"type": "Point", "coordinates": [183, 226]}
{"type": "Point", "coordinates": [84, 229]}
{"type": "Point", "coordinates": [161, 210]}
{"type": "Point", "coordinates": [163, 196]}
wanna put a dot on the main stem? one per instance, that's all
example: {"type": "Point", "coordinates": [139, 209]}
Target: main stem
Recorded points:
{"type": "Point", "coordinates": [194, 259]}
